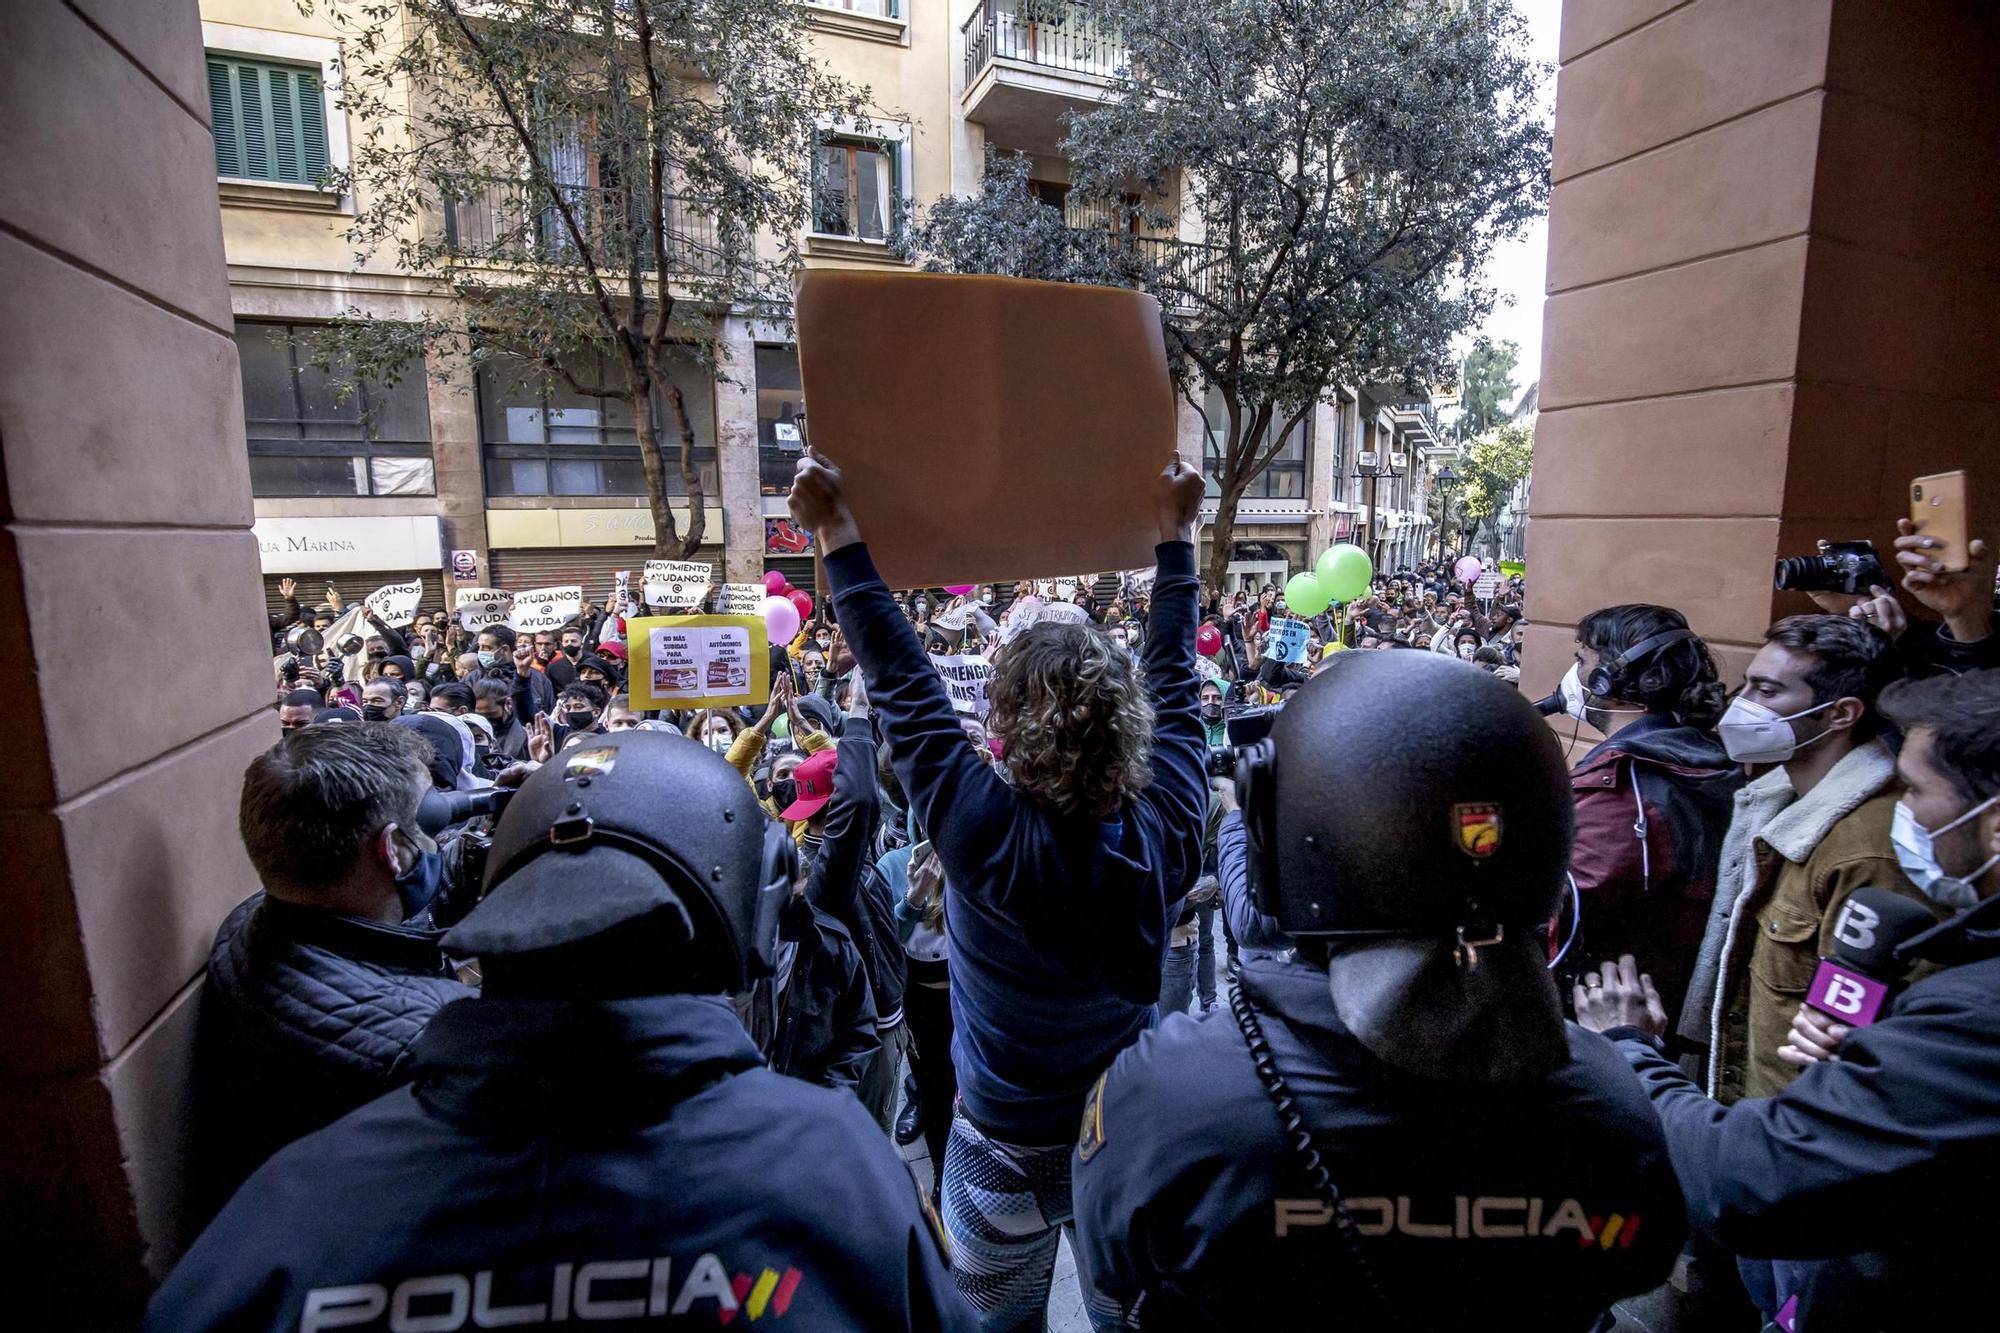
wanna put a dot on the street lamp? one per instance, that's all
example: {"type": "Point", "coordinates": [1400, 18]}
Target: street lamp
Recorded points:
{"type": "Point", "coordinates": [1444, 481]}
{"type": "Point", "coordinates": [1368, 463]}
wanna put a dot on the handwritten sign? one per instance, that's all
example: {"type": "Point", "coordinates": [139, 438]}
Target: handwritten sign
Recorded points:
{"type": "Point", "coordinates": [699, 661]}
{"type": "Point", "coordinates": [546, 608]}
{"type": "Point", "coordinates": [677, 583]}
{"type": "Point", "coordinates": [621, 591]}
{"type": "Point", "coordinates": [479, 607]}
{"type": "Point", "coordinates": [967, 679]}
{"type": "Point", "coordinates": [1288, 642]}
{"type": "Point", "coordinates": [738, 599]}
{"type": "Point", "coordinates": [1487, 587]}
{"type": "Point", "coordinates": [396, 604]}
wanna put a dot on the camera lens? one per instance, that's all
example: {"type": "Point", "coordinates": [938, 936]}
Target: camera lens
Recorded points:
{"type": "Point", "coordinates": [1800, 573]}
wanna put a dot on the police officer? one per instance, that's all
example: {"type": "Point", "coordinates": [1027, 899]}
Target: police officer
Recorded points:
{"type": "Point", "coordinates": [594, 1138]}
{"type": "Point", "coordinates": [1393, 1126]}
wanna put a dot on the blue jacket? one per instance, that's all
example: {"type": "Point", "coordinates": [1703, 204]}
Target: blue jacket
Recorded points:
{"type": "Point", "coordinates": [305, 1015]}
{"type": "Point", "coordinates": [1254, 931]}
{"type": "Point", "coordinates": [1529, 1206]}
{"type": "Point", "coordinates": [1873, 1179]}
{"type": "Point", "coordinates": [631, 1162]}
{"type": "Point", "coordinates": [1057, 923]}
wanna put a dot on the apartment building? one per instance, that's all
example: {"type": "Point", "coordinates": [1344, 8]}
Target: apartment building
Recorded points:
{"type": "Point", "coordinates": [499, 481]}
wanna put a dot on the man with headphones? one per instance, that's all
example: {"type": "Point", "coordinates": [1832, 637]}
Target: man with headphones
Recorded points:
{"type": "Point", "coordinates": [1653, 799]}
{"type": "Point", "coordinates": [594, 1138]}
{"type": "Point", "coordinates": [1393, 1125]}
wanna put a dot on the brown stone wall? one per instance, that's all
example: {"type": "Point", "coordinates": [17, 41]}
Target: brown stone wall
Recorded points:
{"type": "Point", "coordinates": [1772, 300]}
{"type": "Point", "coordinates": [129, 635]}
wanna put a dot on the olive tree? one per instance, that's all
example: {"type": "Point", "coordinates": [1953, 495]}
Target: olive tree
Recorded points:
{"type": "Point", "coordinates": [1336, 172]}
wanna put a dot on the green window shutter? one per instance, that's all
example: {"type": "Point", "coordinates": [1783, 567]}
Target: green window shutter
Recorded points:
{"type": "Point", "coordinates": [222, 116]}
{"type": "Point", "coordinates": [269, 120]}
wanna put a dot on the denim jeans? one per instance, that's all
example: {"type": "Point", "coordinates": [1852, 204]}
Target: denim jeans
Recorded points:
{"type": "Point", "coordinates": [1204, 962]}
{"type": "Point", "coordinates": [1177, 979]}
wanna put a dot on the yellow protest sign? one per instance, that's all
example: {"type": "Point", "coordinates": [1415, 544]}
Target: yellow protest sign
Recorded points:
{"type": "Point", "coordinates": [698, 661]}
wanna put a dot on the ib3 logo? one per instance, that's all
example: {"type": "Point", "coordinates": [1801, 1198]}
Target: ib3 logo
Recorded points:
{"type": "Point", "coordinates": [1494, 1217]}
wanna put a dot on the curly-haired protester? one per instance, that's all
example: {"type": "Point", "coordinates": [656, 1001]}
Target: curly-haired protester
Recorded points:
{"type": "Point", "coordinates": [1065, 873]}
{"type": "Point", "coordinates": [1653, 799]}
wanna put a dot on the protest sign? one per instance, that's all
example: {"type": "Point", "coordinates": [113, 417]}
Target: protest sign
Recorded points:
{"type": "Point", "coordinates": [677, 583]}
{"type": "Point", "coordinates": [1002, 385]}
{"type": "Point", "coordinates": [479, 607]}
{"type": "Point", "coordinates": [739, 599]}
{"type": "Point", "coordinates": [967, 678]}
{"type": "Point", "coordinates": [1288, 642]}
{"type": "Point", "coordinates": [1487, 587]}
{"type": "Point", "coordinates": [465, 564]}
{"type": "Point", "coordinates": [546, 608]}
{"type": "Point", "coordinates": [396, 604]}
{"type": "Point", "coordinates": [621, 591]}
{"type": "Point", "coordinates": [1137, 582]}
{"type": "Point", "coordinates": [699, 661]}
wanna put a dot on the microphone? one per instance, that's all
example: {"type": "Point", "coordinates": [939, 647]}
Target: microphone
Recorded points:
{"type": "Point", "coordinates": [1852, 985]}
{"type": "Point", "coordinates": [1551, 704]}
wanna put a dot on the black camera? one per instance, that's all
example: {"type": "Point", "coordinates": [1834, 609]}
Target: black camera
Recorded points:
{"type": "Point", "coordinates": [441, 809]}
{"type": "Point", "coordinates": [1244, 726]}
{"type": "Point", "coordinates": [1845, 567]}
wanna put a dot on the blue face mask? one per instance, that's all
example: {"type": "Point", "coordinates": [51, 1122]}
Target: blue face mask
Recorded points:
{"type": "Point", "coordinates": [418, 885]}
{"type": "Point", "coordinates": [487, 659]}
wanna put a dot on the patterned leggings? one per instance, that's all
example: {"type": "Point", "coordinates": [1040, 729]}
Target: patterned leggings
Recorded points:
{"type": "Point", "coordinates": [1004, 1205]}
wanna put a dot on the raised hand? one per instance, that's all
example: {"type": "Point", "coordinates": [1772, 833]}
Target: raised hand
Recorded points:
{"type": "Point", "coordinates": [541, 740]}
{"type": "Point", "coordinates": [288, 588]}
{"type": "Point", "coordinates": [1964, 599]}
{"type": "Point", "coordinates": [819, 504]}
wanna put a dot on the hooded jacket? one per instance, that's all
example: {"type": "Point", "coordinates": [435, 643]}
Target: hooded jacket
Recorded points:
{"type": "Point", "coordinates": [1871, 1180]}
{"type": "Point", "coordinates": [629, 1163]}
{"type": "Point", "coordinates": [1057, 922]}
{"type": "Point", "coordinates": [306, 1015]}
{"type": "Point", "coordinates": [1652, 805]}
{"type": "Point", "coordinates": [1482, 1206]}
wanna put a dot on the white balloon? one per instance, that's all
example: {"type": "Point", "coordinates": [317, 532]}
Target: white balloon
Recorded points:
{"type": "Point", "coordinates": [781, 618]}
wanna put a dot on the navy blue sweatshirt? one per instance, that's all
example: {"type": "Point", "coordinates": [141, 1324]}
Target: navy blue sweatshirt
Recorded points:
{"type": "Point", "coordinates": [1056, 921]}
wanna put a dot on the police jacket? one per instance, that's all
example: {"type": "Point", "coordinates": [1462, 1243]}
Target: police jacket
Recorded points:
{"type": "Point", "coordinates": [629, 1163]}
{"type": "Point", "coordinates": [306, 1015]}
{"type": "Point", "coordinates": [1528, 1206]}
{"type": "Point", "coordinates": [1880, 1170]}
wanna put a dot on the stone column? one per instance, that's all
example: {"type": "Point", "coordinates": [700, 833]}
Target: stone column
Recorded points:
{"type": "Point", "coordinates": [736, 453]}
{"type": "Point", "coordinates": [124, 538]}
{"type": "Point", "coordinates": [1774, 298]}
{"type": "Point", "coordinates": [456, 455]}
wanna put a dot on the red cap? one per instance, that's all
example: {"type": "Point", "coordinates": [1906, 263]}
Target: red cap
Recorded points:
{"type": "Point", "coordinates": [815, 785]}
{"type": "Point", "coordinates": [612, 650]}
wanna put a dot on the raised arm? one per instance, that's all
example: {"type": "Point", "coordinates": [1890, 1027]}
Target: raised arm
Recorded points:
{"type": "Point", "coordinates": [1179, 794]}
{"type": "Point", "coordinates": [955, 796]}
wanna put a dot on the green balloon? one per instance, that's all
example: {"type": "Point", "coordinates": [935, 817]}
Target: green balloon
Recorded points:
{"type": "Point", "coordinates": [1304, 595]}
{"type": "Point", "coordinates": [1344, 572]}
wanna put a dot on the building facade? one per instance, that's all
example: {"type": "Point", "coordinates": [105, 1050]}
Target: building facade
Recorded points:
{"type": "Point", "coordinates": [494, 480]}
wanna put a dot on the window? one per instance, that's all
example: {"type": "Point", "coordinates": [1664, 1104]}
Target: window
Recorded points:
{"type": "Point", "coordinates": [269, 120]}
{"type": "Point", "coordinates": [305, 439]}
{"type": "Point", "coordinates": [884, 9]}
{"type": "Point", "coordinates": [856, 186]}
{"type": "Point", "coordinates": [779, 401]}
{"type": "Point", "coordinates": [1284, 479]}
{"type": "Point", "coordinates": [548, 439]}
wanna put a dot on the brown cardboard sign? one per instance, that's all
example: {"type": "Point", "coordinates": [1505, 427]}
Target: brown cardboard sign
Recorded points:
{"type": "Point", "coordinates": [988, 428]}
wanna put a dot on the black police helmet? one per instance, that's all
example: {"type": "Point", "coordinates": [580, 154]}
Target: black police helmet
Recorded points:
{"type": "Point", "coordinates": [626, 825]}
{"type": "Point", "coordinates": [1415, 812]}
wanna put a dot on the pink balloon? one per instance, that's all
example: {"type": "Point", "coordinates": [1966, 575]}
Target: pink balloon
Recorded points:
{"type": "Point", "coordinates": [1468, 568]}
{"type": "Point", "coordinates": [774, 584]}
{"type": "Point", "coordinates": [959, 589]}
{"type": "Point", "coordinates": [802, 602]}
{"type": "Point", "coordinates": [781, 619]}
{"type": "Point", "coordinates": [1207, 640]}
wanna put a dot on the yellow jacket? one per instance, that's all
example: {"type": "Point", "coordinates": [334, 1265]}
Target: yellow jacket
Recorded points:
{"type": "Point", "coordinates": [744, 752]}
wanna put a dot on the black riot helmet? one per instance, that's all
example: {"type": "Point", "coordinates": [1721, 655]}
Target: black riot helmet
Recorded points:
{"type": "Point", "coordinates": [1414, 813]}
{"type": "Point", "coordinates": [629, 826]}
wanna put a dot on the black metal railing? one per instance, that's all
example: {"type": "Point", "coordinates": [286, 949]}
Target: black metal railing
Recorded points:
{"type": "Point", "coordinates": [1054, 34]}
{"type": "Point", "coordinates": [511, 221]}
{"type": "Point", "coordinates": [1182, 274]}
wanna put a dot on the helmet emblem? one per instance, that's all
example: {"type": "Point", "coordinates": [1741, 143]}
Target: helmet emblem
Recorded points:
{"type": "Point", "coordinates": [1478, 828]}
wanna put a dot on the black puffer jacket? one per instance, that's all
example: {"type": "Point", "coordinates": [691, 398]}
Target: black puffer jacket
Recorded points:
{"type": "Point", "coordinates": [305, 1016]}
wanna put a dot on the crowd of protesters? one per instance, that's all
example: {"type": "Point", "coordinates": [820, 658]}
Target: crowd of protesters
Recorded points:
{"type": "Point", "coordinates": [539, 1017]}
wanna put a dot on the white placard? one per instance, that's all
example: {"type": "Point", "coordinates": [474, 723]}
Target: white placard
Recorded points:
{"type": "Point", "coordinates": [738, 599]}
{"type": "Point", "coordinates": [967, 678]}
{"type": "Point", "coordinates": [479, 607]}
{"type": "Point", "coordinates": [693, 663]}
{"type": "Point", "coordinates": [396, 603]}
{"type": "Point", "coordinates": [1487, 587]}
{"type": "Point", "coordinates": [546, 608]}
{"type": "Point", "coordinates": [677, 584]}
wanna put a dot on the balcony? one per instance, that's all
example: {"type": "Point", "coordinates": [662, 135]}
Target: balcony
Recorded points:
{"type": "Point", "coordinates": [506, 221]}
{"type": "Point", "coordinates": [1194, 269]}
{"type": "Point", "coordinates": [1028, 62]}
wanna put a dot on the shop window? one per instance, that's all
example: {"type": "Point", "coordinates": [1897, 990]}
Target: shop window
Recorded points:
{"type": "Point", "coordinates": [1284, 479]}
{"type": "Point", "coordinates": [779, 402]}
{"type": "Point", "coordinates": [306, 438]}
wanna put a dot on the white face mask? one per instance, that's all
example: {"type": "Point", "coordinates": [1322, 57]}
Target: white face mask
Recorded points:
{"type": "Point", "coordinates": [719, 740]}
{"type": "Point", "coordinates": [1753, 734]}
{"type": "Point", "coordinates": [1916, 854]}
{"type": "Point", "coordinates": [1576, 699]}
